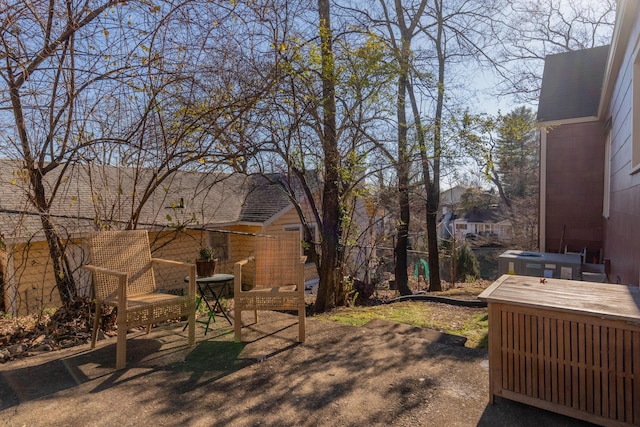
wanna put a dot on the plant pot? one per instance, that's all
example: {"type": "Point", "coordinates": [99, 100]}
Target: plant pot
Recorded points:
{"type": "Point", "coordinates": [206, 267]}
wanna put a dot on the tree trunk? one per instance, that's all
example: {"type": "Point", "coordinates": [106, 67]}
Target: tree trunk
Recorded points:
{"type": "Point", "coordinates": [402, 169]}
{"type": "Point", "coordinates": [330, 290]}
{"type": "Point", "coordinates": [61, 271]}
{"type": "Point", "coordinates": [404, 161]}
{"type": "Point", "coordinates": [433, 188]}
{"type": "Point", "coordinates": [432, 242]}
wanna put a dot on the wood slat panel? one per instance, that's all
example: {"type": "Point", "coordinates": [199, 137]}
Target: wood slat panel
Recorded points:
{"type": "Point", "coordinates": [620, 374]}
{"type": "Point", "coordinates": [507, 379]}
{"type": "Point", "coordinates": [582, 368]}
{"type": "Point", "coordinates": [611, 371]}
{"type": "Point", "coordinates": [577, 364]}
{"type": "Point", "coordinates": [535, 358]}
{"type": "Point", "coordinates": [597, 363]}
{"type": "Point", "coordinates": [553, 361]}
{"type": "Point", "coordinates": [548, 387]}
{"type": "Point", "coordinates": [561, 363]}
{"type": "Point", "coordinates": [635, 361]}
{"type": "Point", "coordinates": [604, 340]}
{"type": "Point", "coordinates": [589, 345]}
{"type": "Point", "coordinates": [628, 377]}
{"type": "Point", "coordinates": [521, 355]}
{"type": "Point", "coordinates": [573, 377]}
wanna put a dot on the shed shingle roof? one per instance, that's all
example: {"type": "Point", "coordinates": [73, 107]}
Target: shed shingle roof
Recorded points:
{"type": "Point", "coordinates": [108, 194]}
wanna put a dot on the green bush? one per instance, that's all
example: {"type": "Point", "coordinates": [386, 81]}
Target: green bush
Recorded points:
{"type": "Point", "coordinates": [467, 266]}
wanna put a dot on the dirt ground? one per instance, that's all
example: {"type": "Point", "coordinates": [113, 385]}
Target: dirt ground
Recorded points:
{"type": "Point", "coordinates": [379, 374]}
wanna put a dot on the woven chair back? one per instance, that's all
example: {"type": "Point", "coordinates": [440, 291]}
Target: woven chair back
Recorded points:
{"type": "Point", "coordinates": [276, 257]}
{"type": "Point", "coordinates": [126, 251]}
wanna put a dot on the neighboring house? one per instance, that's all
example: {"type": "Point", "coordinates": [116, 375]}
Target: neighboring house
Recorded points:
{"type": "Point", "coordinates": [486, 224]}
{"type": "Point", "coordinates": [188, 211]}
{"type": "Point", "coordinates": [590, 150]}
{"type": "Point", "coordinates": [483, 223]}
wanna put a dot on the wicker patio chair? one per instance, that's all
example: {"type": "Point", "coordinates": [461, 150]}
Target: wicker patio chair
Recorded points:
{"type": "Point", "coordinates": [278, 280]}
{"type": "Point", "coordinates": [123, 277]}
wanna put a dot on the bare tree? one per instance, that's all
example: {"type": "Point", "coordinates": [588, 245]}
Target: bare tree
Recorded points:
{"type": "Point", "coordinates": [531, 30]}
{"type": "Point", "coordinates": [46, 70]}
{"type": "Point", "coordinates": [154, 87]}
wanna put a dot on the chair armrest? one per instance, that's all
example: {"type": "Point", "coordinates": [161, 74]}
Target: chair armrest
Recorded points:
{"type": "Point", "coordinates": [96, 269]}
{"type": "Point", "coordinates": [186, 265]}
{"type": "Point", "coordinates": [237, 274]}
{"type": "Point", "coordinates": [123, 278]}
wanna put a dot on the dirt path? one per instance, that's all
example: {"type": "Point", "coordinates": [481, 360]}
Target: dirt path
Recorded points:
{"type": "Point", "coordinates": [342, 376]}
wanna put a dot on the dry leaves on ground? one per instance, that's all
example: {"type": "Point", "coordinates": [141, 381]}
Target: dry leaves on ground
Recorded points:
{"type": "Point", "coordinates": [67, 327]}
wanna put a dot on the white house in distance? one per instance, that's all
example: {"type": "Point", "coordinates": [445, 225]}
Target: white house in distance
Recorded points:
{"type": "Point", "coordinates": [483, 222]}
{"type": "Point", "coordinates": [475, 224]}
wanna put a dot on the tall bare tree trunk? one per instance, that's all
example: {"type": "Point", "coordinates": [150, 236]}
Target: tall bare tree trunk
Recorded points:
{"type": "Point", "coordinates": [64, 279]}
{"type": "Point", "coordinates": [330, 291]}
{"type": "Point", "coordinates": [402, 169]}
{"type": "Point", "coordinates": [432, 186]}
{"type": "Point", "coordinates": [403, 165]}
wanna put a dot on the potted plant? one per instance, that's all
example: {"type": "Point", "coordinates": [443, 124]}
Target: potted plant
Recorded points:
{"type": "Point", "coordinates": [206, 263]}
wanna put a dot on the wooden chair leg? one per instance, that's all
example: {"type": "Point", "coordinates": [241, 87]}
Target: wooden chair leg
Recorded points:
{"type": "Point", "coordinates": [192, 327]}
{"type": "Point", "coordinates": [301, 325]}
{"type": "Point", "coordinates": [148, 328]}
{"type": "Point", "coordinates": [121, 343]}
{"type": "Point", "coordinates": [121, 349]}
{"type": "Point", "coordinates": [96, 324]}
{"type": "Point", "coordinates": [255, 316]}
{"type": "Point", "coordinates": [237, 324]}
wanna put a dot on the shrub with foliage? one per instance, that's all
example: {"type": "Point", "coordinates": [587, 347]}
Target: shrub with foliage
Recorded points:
{"type": "Point", "coordinates": [467, 266]}
{"type": "Point", "coordinates": [361, 291]}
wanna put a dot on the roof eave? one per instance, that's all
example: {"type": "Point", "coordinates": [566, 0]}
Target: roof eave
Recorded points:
{"type": "Point", "coordinates": [228, 224]}
{"type": "Point", "coordinates": [624, 21]}
{"type": "Point", "coordinates": [574, 120]}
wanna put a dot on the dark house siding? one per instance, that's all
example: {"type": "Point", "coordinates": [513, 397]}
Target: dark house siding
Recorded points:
{"type": "Point", "coordinates": [575, 170]}
{"type": "Point", "coordinates": [622, 231]}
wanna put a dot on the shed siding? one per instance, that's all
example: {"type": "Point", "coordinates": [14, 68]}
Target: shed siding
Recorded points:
{"type": "Point", "coordinates": [289, 218]}
{"type": "Point", "coordinates": [622, 228]}
{"type": "Point", "coordinates": [32, 280]}
{"type": "Point", "coordinates": [33, 286]}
